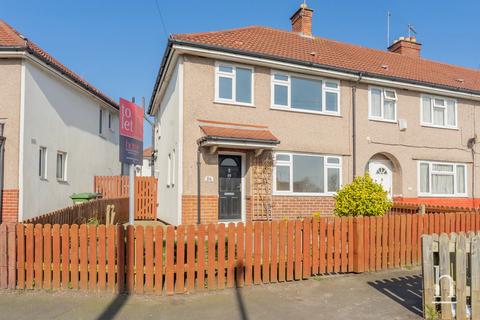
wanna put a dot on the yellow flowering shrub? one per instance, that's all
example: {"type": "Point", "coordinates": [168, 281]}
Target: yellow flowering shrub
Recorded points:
{"type": "Point", "coordinates": [362, 197]}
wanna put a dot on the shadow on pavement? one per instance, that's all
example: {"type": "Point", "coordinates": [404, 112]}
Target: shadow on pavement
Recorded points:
{"type": "Point", "coordinates": [238, 293]}
{"type": "Point", "coordinates": [114, 307]}
{"type": "Point", "coordinates": [406, 291]}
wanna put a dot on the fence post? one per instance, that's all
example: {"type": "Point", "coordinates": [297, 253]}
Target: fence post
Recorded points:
{"type": "Point", "coordinates": [358, 254]}
{"type": "Point", "coordinates": [427, 267]}
{"type": "Point", "coordinates": [422, 209]}
{"type": "Point", "coordinates": [12, 255]}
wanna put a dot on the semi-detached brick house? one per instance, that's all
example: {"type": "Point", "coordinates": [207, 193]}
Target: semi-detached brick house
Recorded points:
{"type": "Point", "coordinates": [259, 123]}
{"type": "Point", "coordinates": [56, 130]}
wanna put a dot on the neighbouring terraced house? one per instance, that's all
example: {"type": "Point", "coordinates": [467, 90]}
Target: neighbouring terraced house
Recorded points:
{"type": "Point", "coordinates": [56, 130]}
{"type": "Point", "coordinates": [260, 123]}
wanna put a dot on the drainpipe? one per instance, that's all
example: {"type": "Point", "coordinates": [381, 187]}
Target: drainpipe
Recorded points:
{"type": "Point", "coordinates": [198, 185]}
{"type": "Point", "coordinates": [354, 124]}
{"type": "Point", "coordinates": [471, 145]}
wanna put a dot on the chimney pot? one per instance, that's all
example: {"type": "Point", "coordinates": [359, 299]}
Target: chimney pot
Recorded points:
{"type": "Point", "coordinates": [406, 46]}
{"type": "Point", "coordinates": [302, 20]}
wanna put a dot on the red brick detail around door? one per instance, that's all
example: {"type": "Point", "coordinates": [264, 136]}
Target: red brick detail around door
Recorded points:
{"type": "Point", "coordinates": [297, 206]}
{"type": "Point", "coordinates": [209, 209]}
{"type": "Point", "coordinates": [9, 206]}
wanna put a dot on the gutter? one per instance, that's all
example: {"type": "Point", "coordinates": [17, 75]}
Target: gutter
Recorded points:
{"type": "Point", "coordinates": [161, 71]}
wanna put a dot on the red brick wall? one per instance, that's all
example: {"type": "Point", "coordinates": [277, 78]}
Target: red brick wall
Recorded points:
{"type": "Point", "coordinates": [209, 209]}
{"type": "Point", "coordinates": [450, 202]}
{"type": "Point", "coordinates": [9, 205]}
{"type": "Point", "coordinates": [298, 206]}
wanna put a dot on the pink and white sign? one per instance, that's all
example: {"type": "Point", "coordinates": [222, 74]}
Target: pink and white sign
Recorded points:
{"type": "Point", "coordinates": [131, 132]}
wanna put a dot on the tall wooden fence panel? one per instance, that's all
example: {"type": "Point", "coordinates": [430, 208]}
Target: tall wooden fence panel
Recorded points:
{"type": "Point", "coordinates": [451, 275]}
{"type": "Point", "coordinates": [190, 258]}
{"type": "Point", "coordinates": [145, 193]}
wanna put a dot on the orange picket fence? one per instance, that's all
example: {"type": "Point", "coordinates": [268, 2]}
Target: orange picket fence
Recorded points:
{"type": "Point", "coordinates": [145, 193]}
{"type": "Point", "coordinates": [188, 258]}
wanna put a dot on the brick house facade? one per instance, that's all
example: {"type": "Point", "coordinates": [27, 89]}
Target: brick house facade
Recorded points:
{"type": "Point", "coordinates": [260, 123]}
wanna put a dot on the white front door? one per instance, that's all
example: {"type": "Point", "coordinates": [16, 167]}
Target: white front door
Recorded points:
{"type": "Point", "coordinates": [381, 173]}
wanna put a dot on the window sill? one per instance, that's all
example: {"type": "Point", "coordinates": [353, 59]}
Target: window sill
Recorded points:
{"type": "Point", "coordinates": [338, 115]}
{"type": "Point", "coordinates": [43, 179]}
{"type": "Point", "coordinates": [442, 196]}
{"type": "Point", "coordinates": [383, 120]}
{"type": "Point", "coordinates": [438, 127]}
{"type": "Point", "coordinates": [62, 181]}
{"type": "Point", "coordinates": [233, 103]}
{"type": "Point", "coordinates": [330, 194]}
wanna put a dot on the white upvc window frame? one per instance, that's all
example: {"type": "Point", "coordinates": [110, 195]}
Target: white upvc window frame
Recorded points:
{"type": "Point", "coordinates": [433, 98]}
{"type": "Point", "coordinates": [101, 122]}
{"type": "Point", "coordinates": [289, 163]}
{"type": "Point", "coordinates": [110, 121]}
{"type": "Point", "coordinates": [382, 104]}
{"type": "Point", "coordinates": [64, 166]}
{"type": "Point", "coordinates": [169, 170]}
{"type": "Point", "coordinates": [232, 76]}
{"type": "Point", "coordinates": [43, 162]}
{"type": "Point", "coordinates": [287, 83]}
{"type": "Point", "coordinates": [455, 194]}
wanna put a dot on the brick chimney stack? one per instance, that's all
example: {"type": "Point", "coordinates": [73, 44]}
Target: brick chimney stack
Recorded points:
{"type": "Point", "coordinates": [406, 46]}
{"type": "Point", "coordinates": [302, 20]}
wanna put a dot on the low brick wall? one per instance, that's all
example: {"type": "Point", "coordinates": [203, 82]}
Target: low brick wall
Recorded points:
{"type": "Point", "coordinates": [301, 206]}
{"type": "Point", "coordinates": [9, 206]}
{"type": "Point", "coordinates": [290, 207]}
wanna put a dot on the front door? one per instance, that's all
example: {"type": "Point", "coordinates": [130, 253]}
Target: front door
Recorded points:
{"type": "Point", "coordinates": [381, 173]}
{"type": "Point", "coordinates": [230, 187]}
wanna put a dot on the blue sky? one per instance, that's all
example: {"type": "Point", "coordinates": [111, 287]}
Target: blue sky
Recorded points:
{"type": "Point", "coordinates": [118, 45]}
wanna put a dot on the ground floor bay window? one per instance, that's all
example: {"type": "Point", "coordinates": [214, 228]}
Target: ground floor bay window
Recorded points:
{"type": "Point", "coordinates": [442, 179]}
{"type": "Point", "coordinates": [306, 174]}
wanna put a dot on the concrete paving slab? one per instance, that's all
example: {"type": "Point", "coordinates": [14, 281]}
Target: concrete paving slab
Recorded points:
{"type": "Point", "coordinates": [383, 295]}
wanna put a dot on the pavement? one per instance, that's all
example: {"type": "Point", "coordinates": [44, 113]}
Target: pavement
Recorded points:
{"type": "Point", "coordinates": [392, 294]}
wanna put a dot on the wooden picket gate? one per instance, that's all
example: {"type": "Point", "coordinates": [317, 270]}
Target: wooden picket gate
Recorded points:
{"type": "Point", "coordinates": [145, 193]}
{"type": "Point", "coordinates": [451, 275]}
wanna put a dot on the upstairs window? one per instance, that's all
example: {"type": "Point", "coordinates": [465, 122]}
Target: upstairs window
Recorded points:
{"type": "Point", "coordinates": [305, 93]}
{"type": "Point", "coordinates": [100, 122]}
{"type": "Point", "coordinates": [233, 84]}
{"type": "Point", "coordinates": [110, 121]}
{"type": "Point", "coordinates": [439, 112]}
{"type": "Point", "coordinates": [382, 104]}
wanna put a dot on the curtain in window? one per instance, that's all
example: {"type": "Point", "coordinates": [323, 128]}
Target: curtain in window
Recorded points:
{"type": "Point", "coordinates": [426, 110]}
{"type": "Point", "coordinates": [389, 110]}
{"type": "Point", "coordinates": [461, 179]}
{"type": "Point", "coordinates": [438, 116]}
{"type": "Point", "coordinates": [442, 184]}
{"type": "Point", "coordinates": [376, 96]}
{"type": "Point", "coordinates": [424, 178]}
{"type": "Point", "coordinates": [451, 121]}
